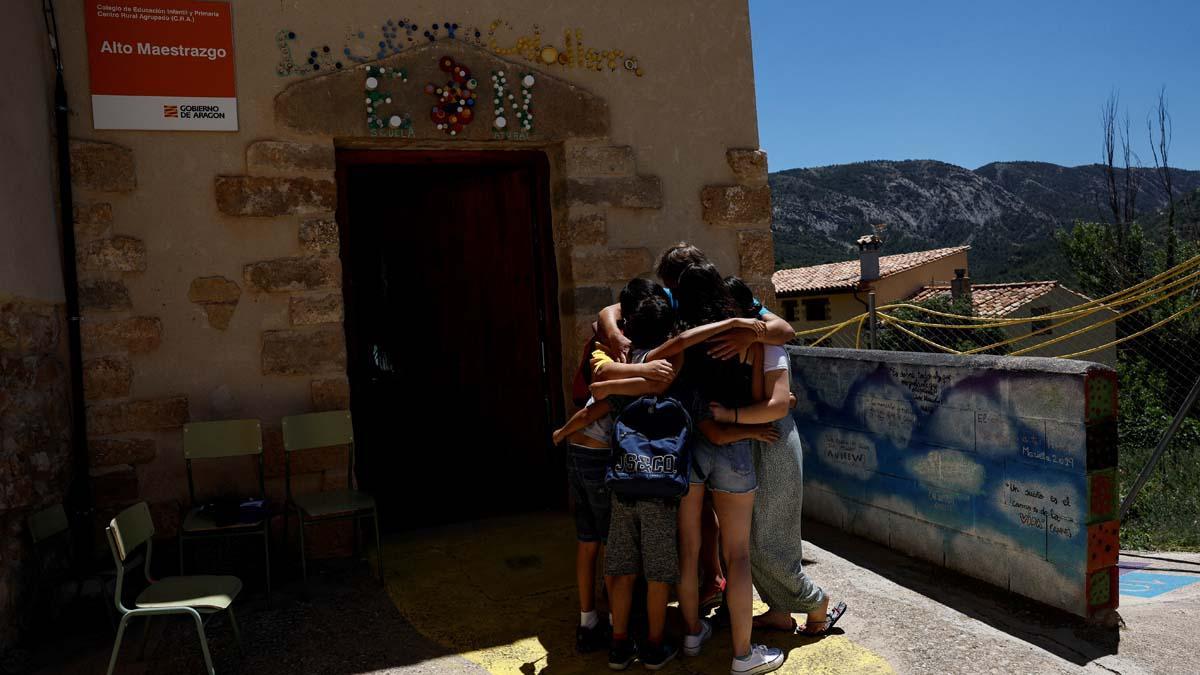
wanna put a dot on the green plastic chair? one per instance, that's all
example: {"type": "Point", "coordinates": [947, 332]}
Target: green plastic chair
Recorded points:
{"type": "Point", "coordinates": [49, 530]}
{"type": "Point", "coordinates": [321, 430]}
{"type": "Point", "coordinates": [216, 440]}
{"type": "Point", "coordinates": [195, 596]}
{"type": "Point", "coordinates": [48, 523]}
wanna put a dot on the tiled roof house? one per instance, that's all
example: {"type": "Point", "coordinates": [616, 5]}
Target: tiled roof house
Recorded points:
{"type": "Point", "coordinates": [822, 294]}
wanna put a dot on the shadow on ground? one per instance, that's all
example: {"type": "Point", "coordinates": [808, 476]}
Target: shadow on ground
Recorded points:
{"type": "Point", "coordinates": [501, 594]}
{"type": "Point", "coordinates": [494, 596]}
{"type": "Point", "coordinates": [1065, 635]}
{"type": "Point", "coordinates": [340, 622]}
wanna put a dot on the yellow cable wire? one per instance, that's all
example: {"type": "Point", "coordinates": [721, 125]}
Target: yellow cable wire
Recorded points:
{"type": "Point", "coordinates": [1071, 314]}
{"type": "Point", "coordinates": [831, 333]}
{"type": "Point", "coordinates": [931, 343]}
{"type": "Point", "coordinates": [1111, 299]}
{"type": "Point", "coordinates": [1094, 326]}
{"type": "Point", "coordinates": [1051, 327]}
{"type": "Point", "coordinates": [1076, 311]}
{"type": "Point", "coordinates": [1145, 330]}
{"type": "Point", "coordinates": [822, 329]}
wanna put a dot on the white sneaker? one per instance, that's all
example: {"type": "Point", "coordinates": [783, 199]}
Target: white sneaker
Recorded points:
{"type": "Point", "coordinates": [692, 643]}
{"type": "Point", "coordinates": [763, 659]}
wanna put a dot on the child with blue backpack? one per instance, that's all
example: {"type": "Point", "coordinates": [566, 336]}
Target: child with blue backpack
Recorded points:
{"type": "Point", "coordinates": [588, 455]}
{"type": "Point", "coordinates": [642, 528]}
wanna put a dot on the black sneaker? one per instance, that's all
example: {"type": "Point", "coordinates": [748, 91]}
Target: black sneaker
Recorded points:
{"type": "Point", "coordinates": [657, 656]}
{"type": "Point", "coordinates": [588, 640]}
{"type": "Point", "coordinates": [622, 654]}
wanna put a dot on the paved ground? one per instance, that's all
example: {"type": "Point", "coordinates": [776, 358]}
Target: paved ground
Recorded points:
{"type": "Point", "coordinates": [498, 597]}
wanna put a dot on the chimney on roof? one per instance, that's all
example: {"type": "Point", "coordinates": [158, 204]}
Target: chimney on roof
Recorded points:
{"type": "Point", "coordinates": [960, 286]}
{"type": "Point", "coordinates": [868, 257]}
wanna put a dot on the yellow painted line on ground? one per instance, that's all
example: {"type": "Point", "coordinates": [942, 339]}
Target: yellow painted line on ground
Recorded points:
{"type": "Point", "coordinates": [500, 593]}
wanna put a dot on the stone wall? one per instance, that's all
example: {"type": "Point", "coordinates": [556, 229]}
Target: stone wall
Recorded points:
{"type": "Point", "coordinates": [1001, 468]}
{"type": "Point", "coordinates": [35, 441]}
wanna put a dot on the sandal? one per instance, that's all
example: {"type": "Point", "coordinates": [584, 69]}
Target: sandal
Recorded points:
{"type": "Point", "coordinates": [830, 621]}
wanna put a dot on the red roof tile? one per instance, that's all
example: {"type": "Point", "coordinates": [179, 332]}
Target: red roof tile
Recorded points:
{"type": "Point", "coordinates": [994, 300]}
{"type": "Point", "coordinates": [845, 275]}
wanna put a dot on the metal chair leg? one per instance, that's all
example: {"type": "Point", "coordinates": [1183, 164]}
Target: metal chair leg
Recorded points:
{"type": "Point", "coordinates": [112, 661]}
{"type": "Point", "coordinates": [110, 610]}
{"type": "Point", "coordinates": [145, 638]}
{"type": "Point", "coordinates": [237, 634]}
{"type": "Point", "coordinates": [287, 527]}
{"type": "Point", "coordinates": [203, 643]}
{"type": "Point", "coordinates": [267, 554]}
{"type": "Point", "coordinates": [378, 547]}
{"type": "Point", "coordinates": [303, 552]}
{"type": "Point", "coordinates": [356, 523]}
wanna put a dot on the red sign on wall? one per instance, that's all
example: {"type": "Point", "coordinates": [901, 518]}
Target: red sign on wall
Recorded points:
{"type": "Point", "coordinates": [161, 64]}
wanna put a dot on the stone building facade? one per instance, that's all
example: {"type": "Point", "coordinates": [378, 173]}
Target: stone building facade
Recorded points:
{"type": "Point", "coordinates": [211, 279]}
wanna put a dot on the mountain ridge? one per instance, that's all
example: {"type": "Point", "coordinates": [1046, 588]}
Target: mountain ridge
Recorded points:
{"type": "Point", "coordinates": [1007, 211]}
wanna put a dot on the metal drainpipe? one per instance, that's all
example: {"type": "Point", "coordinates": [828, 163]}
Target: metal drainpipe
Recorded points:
{"type": "Point", "coordinates": [874, 322]}
{"type": "Point", "coordinates": [80, 496]}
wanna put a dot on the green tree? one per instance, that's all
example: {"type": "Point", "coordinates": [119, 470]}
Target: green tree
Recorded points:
{"type": "Point", "coordinates": [1104, 259]}
{"type": "Point", "coordinates": [1166, 514]}
{"type": "Point", "coordinates": [1155, 369]}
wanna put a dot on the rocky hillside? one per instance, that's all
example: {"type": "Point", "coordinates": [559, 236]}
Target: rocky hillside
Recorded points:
{"type": "Point", "coordinates": [1007, 211]}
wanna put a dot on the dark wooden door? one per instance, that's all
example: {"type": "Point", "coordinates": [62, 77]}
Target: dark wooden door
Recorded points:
{"type": "Point", "coordinates": [450, 332]}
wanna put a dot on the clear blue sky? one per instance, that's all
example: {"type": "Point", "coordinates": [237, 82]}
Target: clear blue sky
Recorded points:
{"type": "Point", "coordinates": [969, 82]}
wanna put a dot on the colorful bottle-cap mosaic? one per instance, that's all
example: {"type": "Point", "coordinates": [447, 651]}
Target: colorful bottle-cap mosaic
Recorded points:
{"type": "Point", "coordinates": [455, 106]}
{"type": "Point", "coordinates": [317, 59]}
{"type": "Point", "coordinates": [512, 114]}
{"type": "Point", "coordinates": [381, 121]}
{"type": "Point", "coordinates": [391, 36]}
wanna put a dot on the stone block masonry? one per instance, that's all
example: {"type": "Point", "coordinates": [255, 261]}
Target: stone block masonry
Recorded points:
{"type": "Point", "coordinates": [35, 449]}
{"type": "Point", "coordinates": [638, 192]}
{"type": "Point", "coordinates": [303, 352]}
{"type": "Point", "coordinates": [102, 167]}
{"type": "Point", "coordinates": [116, 254]}
{"type": "Point", "coordinates": [736, 205]}
{"type": "Point", "coordinates": [268, 196]}
{"type": "Point", "coordinates": [283, 157]}
{"type": "Point", "coordinates": [1001, 468]}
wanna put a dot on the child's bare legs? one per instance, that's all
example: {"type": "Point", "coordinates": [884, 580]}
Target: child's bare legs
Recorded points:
{"type": "Point", "coordinates": [710, 553]}
{"type": "Point", "coordinates": [657, 595]}
{"type": "Point", "coordinates": [776, 619]}
{"type": "Point", "coordinates": [689, 557]}
{"type": "Point", "coordinates": [586, 555]}
{"type": "Point", "coordinates": [734, 512]}
{"type": "Point", "coordinates": [815, 620]}
{"type": "Point", "coordinates": [621, 599]}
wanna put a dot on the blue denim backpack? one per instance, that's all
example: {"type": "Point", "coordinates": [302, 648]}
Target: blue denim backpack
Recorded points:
{"type": "Point", "coordinates": [652, 443]}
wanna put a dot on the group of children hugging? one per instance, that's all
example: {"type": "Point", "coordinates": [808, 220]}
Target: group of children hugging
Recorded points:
{"type": "Point", "coordinates": [698, 348]}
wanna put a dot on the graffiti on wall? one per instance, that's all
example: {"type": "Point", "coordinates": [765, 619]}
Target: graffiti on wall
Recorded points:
{"type": "Point", "coordinates": [392, 36]}
{"type": "Point", "coordinates": [992, 462]}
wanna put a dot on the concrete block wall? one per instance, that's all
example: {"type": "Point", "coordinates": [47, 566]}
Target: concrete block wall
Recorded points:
{"type": "Point", "coordinates": [1001, 468]}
